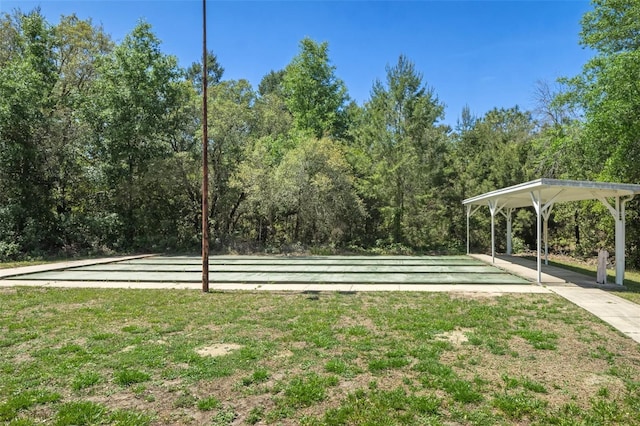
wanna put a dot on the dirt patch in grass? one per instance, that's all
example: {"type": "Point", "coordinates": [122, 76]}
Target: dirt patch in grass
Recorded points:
{"type": "Point", "coordinates": [284, 354]}
{"type": "Point", "coordinates": [220, 349]}
{"type": "Point", "coordinates": [476, 295]}
{"type": "Point", "coordinates": [457, 337]}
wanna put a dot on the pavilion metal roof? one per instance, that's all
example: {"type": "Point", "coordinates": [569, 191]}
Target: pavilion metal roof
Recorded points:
{"type": "Point", "coordinates": [553, 190]}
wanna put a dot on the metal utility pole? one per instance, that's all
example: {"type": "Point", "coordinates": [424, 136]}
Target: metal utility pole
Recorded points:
{"type": "Point", "coordinates": [205, 158]}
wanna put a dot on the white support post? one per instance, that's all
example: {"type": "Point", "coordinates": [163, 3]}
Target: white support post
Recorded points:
{"type": "Point", "coordinates": [493, 209]}
{"type": "Point", "coordinates": [509, 236]}
{"type": "Point", "coordinates": [546, 213]}
{"type": "Point", "coordinates": [620, 242]}
{"type": "Point", "coordinates": [507, 213]}
{"type": "Point", "coordinates": [535, 198]}
{"type": "Point", "coordinates": [468, 216]}
{"type": "Point", "coordinates": [618, 213]}
{"type": "Point", "coordinates": [620, 267]}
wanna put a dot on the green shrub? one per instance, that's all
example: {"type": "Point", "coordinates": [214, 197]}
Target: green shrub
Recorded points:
{"type": "Point", "coordinates": [9, 251]}
{"type": "Point", "coordinates": [130, 377]}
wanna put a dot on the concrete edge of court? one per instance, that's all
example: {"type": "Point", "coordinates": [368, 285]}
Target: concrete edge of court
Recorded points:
{"type": "Point", "coordinates": [496, 289]}
{"type": "Point", "coordinates": [56, 266]}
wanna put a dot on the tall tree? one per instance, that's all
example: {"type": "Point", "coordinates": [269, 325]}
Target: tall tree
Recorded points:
{"type": "Point", "coordinates": [215, 71]}
{"type": "Point", "coordinates": [273, 118]}
{"type": "Point", "coordinates": [558, 140]}
{"type": "Point", "coordinates": [315, 96]}
{"type": "Point", "coordinates": [401, 137]}
{"type": "Point", "coordinates": [78, 45]}
{"type": "Point", "coordinates": [137, 93]}
{"type": "Point", "coordinates": [608, 90]}
{"type": "Point", "coordinates": [27, 78]}
{"type": "Point", "coordinates": [314, 187]}
{"type": "Point", "coordinates": [271, 83]}
{"type": "Point", "coordinates": [494, 152]}
{"type": "Point", "coordinates": [230, 120]}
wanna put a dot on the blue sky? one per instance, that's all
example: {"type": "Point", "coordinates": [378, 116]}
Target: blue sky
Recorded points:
{"type": "Point", "coordinates": [482, 53]}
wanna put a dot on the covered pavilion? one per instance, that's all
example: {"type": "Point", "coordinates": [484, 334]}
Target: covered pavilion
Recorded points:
{"type": "Point", "coordinates": [543, 194]}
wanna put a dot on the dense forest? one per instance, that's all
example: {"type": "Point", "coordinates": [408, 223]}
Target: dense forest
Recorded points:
{"type": "Point", "coordinates": [100, 148]}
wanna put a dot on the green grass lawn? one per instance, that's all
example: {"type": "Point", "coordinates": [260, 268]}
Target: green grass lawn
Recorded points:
{"type": "Point", "coordinates": [139, 357]}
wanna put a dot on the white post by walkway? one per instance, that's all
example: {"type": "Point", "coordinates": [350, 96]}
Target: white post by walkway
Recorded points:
{"type": "Point", "coordinates": [537, 205]}
{"type": "Point", "coordinates": [508, 214]}
{"type": "Point", "coordinates": [619, 216]}
{"type": "Point", "coordinates": [546, 213]}
{"type": "Point", "coordinates": [621, 244]}
{"type": "Point", "coordinates": [493, 209]}
{"type": "Point", "coordinates": [620, 241]}
{"type": "Point", "coordinates": [468, 216]}
{"type": "Point", "coordinates": [545, 237]}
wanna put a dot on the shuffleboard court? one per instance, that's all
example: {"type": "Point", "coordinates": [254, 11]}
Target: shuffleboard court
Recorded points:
{"type": "Point", "coordinates": [309, 260]}
{"type": "Point", "coordinates": [297, 268]}
{"type": "Point", "coordinates": [287, 270]}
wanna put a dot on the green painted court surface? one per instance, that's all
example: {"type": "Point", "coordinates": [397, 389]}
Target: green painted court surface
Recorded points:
{"type": "Point", "coordinates": [289, 270]}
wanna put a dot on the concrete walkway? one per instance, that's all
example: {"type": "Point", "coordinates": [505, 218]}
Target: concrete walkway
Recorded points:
{"type": "Point", "coordinates": [579, 289]}
{"type": "Point", "coordinates": [58, 266]}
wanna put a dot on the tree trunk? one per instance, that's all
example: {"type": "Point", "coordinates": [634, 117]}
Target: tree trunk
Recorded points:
{"type": "Point", "coordinates": [232, 220]}
{"type": "Point", "coordinates": [129, 226]}
{"type": "Point", "coordinates": [576, 228]}
{"type": "Point", "coordinates": [398, 212]}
